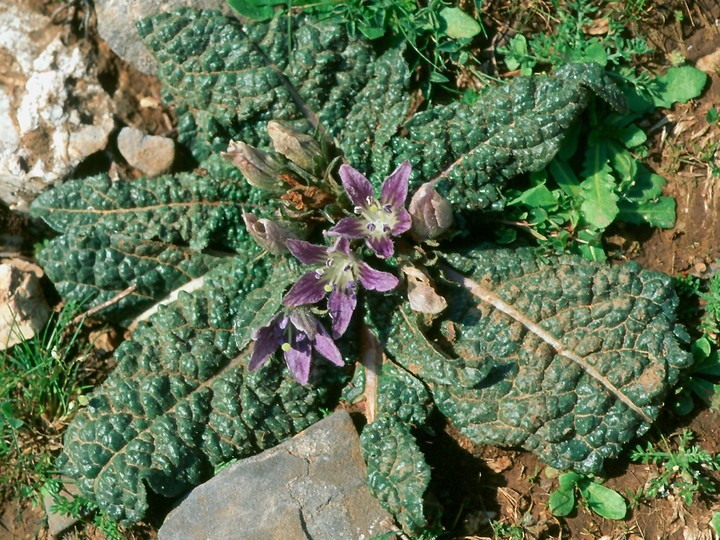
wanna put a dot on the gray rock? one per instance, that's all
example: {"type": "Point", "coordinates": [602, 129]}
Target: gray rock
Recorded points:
{"type": "Point", "coordinates": [116, 25]}
{"type": "Point", "coordinates": [311, 486]}
{"type": "Point", "coordinates": [53, 111]}
{"type": "Point", "coordinates": [150, 154]}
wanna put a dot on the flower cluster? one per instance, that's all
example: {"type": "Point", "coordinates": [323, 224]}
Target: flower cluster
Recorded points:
{"type": "Point", "coordinates": [336, 272]}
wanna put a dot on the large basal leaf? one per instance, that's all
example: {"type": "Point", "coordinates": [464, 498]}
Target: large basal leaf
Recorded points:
{"type": "Point", "coordinates": [146, 234]}
{"type": "Point", "coordinates": [397, 473]}
{"type": "Point", "coordinates": [181, 402]}
{"type": "Point", "coordinates": [511, 129]}
{"type": "Point", "coordinates": [619, 320]}
{"type": "Point", "coordinates": [235, 78]}
{"type": "Point", "coordinates": [198, 209]}
{"type": "Point", "coordinates": [93, 267]}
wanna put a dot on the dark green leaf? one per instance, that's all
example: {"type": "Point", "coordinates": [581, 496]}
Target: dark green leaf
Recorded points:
{"type": "Point", "coordinates": [181, 402]}
{"type": "Point", "coordinates": [617, 318]}
{"type": "Point", "coordinates": [397, 473]}
{"type": "Point", "coordinates": [235, 79]}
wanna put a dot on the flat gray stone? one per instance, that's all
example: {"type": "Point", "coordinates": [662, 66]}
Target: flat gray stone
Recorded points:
{"type": "Point", "coordinates": [116, 25]}
{"type": "Point", "coordinates": [312, 486]}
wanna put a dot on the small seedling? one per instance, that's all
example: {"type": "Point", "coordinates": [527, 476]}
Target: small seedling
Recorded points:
{"type": "Point", "coordinates": [82, 509]}
{"type": "Point", "coordinates": [507, 531]}
{"type": "Point", "coordinates": [683, 471]}
{"type": "Point", "coordinates": [602, 500]}
{"type": "Point", "coordinates": [700, 380]}
{"type": "Point", "coordinates": [715, 522]}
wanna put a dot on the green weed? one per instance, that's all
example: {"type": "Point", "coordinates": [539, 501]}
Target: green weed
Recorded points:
{"type": "Point", "coordinates": [598, 177]}
{"type": "Point", "coordinates": [507, 531]}
{"type": "Point", "coordinates": [699, 308]}
{"type": "Point", "coordinates": [39, 382]}
{"type": "Point", "coordinates": [699, 381]}
{"type": "Point", "coordinates": [81, 509]}
{"type": "Point", "coordinates": [682, 470]}
{"type": "Point", "coordinates": [602, 500]}
{"type": "Point", "coordinates": [569, 41]}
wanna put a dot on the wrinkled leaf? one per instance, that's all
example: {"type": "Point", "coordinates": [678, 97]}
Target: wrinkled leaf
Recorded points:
{"type": "Point", "coordinates": [397, 473]}
{"type": "Point", "coordinates": [617, 319]}
{"type": "Point", "coordinates": [181, 402]}
{"type": "Point", "coordinates": [233, 79]}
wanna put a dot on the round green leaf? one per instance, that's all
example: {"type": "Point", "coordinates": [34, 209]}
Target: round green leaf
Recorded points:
{"type": "Point", "coordinates": [562, 502]}
{"type": "Point", "coordinates": [604, 501]}
{"type": "Point", "coordinates": [458, 24]}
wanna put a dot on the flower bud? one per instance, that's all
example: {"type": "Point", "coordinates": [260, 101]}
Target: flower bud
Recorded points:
{"type": "Point", "coordinates": [269, 234]}
{"type": "Point", "coordinates": [299, 148]}
{"type": "Point", "coordinates": [431, 213]}
{"type": "Point", "coordinates": [259, 168]}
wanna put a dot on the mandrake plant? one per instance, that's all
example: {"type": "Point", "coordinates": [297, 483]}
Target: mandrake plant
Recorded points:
{"type": "Point", "coordinates": [324, 249]}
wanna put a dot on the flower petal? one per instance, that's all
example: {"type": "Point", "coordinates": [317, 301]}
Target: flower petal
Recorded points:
{"type": "Point", "coordinates": [326, 347]}
{"type": "Point", "coordinates": [298, 358]}
{"type": "Point", "coordinates": [341, 305]}
{"type": "Point", "coordinates": [306, 252]}
{"type": "Point", "coordinates": [395, 187]}
{"type": "Point", "coordinates": [382, 245]}
{"type": "Point", "coordinates": [342, 245]}
{"type": "Point", "coordinates": [403, 223]}
{"type": "Point", "coordinates": [307, 290]}
{"type": "Point", "coordinates": [349, 227]}
{"type": "Point", "coordinates": [375, 280]}
{"type": "Point", "coordinates": [356, 185]}
{"type": "Point", "coordinates": [267, 340]}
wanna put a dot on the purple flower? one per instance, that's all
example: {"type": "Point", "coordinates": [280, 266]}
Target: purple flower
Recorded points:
{"type": "Point", "coordinates": [337, 273]}
{"type": "Point", "coordinates": [378, 220]}
{"type": "Point", "coordinates": [297, 340]}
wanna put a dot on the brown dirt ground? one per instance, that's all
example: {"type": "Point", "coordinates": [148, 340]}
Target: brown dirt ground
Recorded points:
{"type": "Point", "coordinates": [472, 483]}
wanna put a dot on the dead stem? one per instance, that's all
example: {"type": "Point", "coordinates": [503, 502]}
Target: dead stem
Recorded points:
{"type": "Point", "coordinates": [114, 300]}
{"type": "Point", "coordinates": [371, 358]}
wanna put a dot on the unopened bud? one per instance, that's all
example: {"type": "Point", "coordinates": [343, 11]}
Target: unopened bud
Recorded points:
{"type": "Point", "coordinates": [269, 234]}
{"type": "Point", "coordinates": [259, 168]}
{"type": "Point", "coordinates": [431, 213]}
{"type": "Point", "coordinates": [299, 148]}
